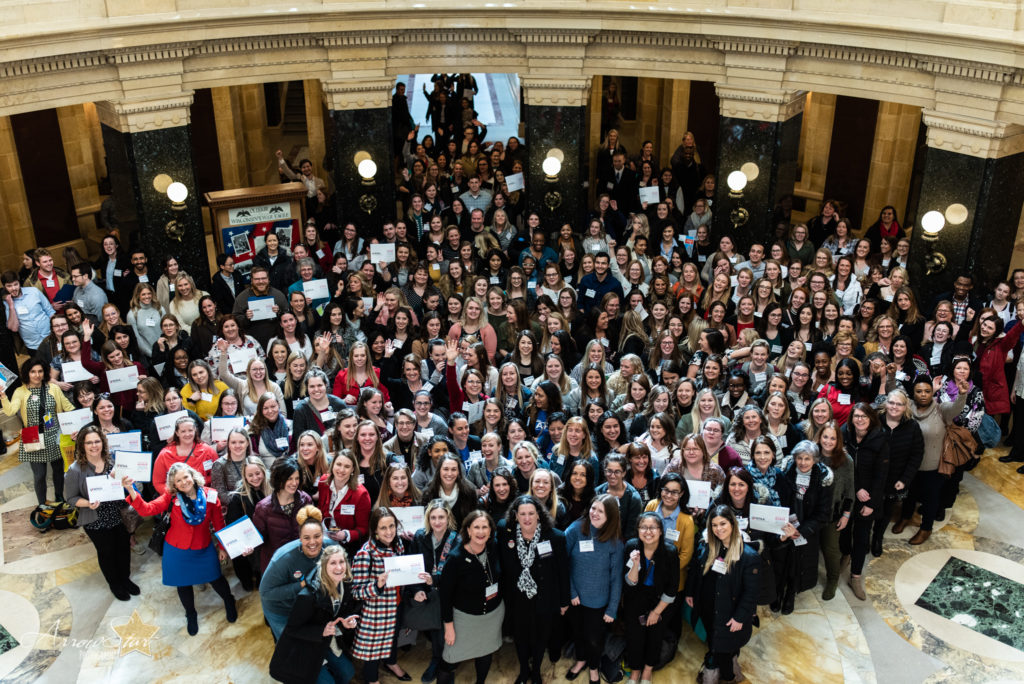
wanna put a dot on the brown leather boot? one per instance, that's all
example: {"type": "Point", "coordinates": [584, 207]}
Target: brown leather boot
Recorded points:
{"type": "Point", "coordinates": [900, 526]}
{"type": "Point", "coordinates": [857, 586]}
{"type": "Point", "coordinates": [921, 537]}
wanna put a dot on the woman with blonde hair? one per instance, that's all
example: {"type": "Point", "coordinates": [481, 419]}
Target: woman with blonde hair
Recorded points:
{"type": "Point", "coordinates": [255, 384]}
{"type": "Point", "coordinates": [189, 554]}
{"type": "Point", "coordinates": [323, 607]}
{"type": "Point", "coordinates": [253, 486]}
{"type": "Point", "coordinates": [185, 304]}
{"type": "Point", "coordinates": [360, 373]}
{"type": "Point", "coordinates": [144, 317]}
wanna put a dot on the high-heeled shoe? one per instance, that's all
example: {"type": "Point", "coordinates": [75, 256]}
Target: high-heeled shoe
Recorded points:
{"type": "Point", "coordinates": [404, 677]}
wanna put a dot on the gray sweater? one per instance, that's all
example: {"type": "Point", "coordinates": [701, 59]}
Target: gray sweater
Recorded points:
{"type": "Point", "coordinates": [76, 489]}
{"type": "Point", "coordinates": [933, 421]}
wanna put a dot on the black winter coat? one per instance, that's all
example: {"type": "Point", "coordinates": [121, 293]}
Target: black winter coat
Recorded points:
{"type": "Point", "coordinates": [870, 468]}
{"type": "Point", "coordinates": [735, 599]}
{"type": "Point", "coordinates": [813, 513]}
{"type": "Point", "coordinates": [906, 449]}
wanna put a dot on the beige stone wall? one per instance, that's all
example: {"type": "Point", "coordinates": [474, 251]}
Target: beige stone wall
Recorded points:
{"type": "Point", "coordinates": [227, 115]}
{"type": "Point", "coordinates": [815, 140]}
{"type": "Point", "coordinates": [76, 134]}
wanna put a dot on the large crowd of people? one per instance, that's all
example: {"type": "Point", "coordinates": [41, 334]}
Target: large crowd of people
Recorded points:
{"type": "Point", "coordinates": [586, 413]}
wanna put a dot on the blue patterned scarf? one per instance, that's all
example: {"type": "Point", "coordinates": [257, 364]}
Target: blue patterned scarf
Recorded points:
{"type": "Point", "coordinates": [764, 484]}
{"type": "Point", "coordinates": [193, 511]}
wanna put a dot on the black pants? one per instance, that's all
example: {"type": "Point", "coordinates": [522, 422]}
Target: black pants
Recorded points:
{"type": "Point", "coordinates": [39, 480]}
{"type": "Point", "coordinates": [858, 539]}
{"type": "Point", "coordinates": [1017, 438]}
{"type": "Point", "coordinates": [531, 632]}
{"type": "Point", "coordinates": [643, 643]}
{"type": "Point", "coordinates": [247, 570]}
{"type": "Point", "coordinates": [188, 597]}
{"type": "Point", "coordinates": [446, 673]}
{"type": "Point", "coordinates": [371, 668]}
{"type": "Point", "coordinates": [878, 528]}
{"type": "Point", "coordinates": [722, 660]}
{"type": "Point", "coordinates": [589, 629]}
{"type": "Point", "coordinates": [113, 552]}
{"type": "Point", "coordinates": [926, 489]}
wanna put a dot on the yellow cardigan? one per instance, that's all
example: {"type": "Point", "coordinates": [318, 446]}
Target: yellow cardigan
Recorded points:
{"type": "Point", "coordinates": [19, 401]}
{"type": "Point", "coordinates": [204, 409]}
{"type": "Point", "coordinates": [684, 544]}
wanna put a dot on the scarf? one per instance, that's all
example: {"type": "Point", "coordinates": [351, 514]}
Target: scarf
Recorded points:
{"type": "Point", "coordinates": [194, 512]}
{"type": "Point", "coordinates": [765, 483]}
{"type": "Point", "coordinates": [271, 434]}
{"type": "Point", "coordinates": [400, 502]}
{"type": "Point", "coordinates": [449, 499]}
{"type": "Point", "coordinates": [446, 548]}
{"type": "Point", "coordinates": [527, 551]}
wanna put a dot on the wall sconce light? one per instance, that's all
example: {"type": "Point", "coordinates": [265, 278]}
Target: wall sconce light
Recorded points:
{"type": "Point", "coordinates": [552, 166]}
{"type": "Point", "coordinates": [932, 224]}
{"type": "Point", "coordinates": [177, 193]}
{"type": "Point", "coordinates": [367, 170]}
{"type": "Point", "coordinates": [737, 180]}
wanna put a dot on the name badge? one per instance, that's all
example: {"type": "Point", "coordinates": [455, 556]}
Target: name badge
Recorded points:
{"type": "Point", "coordinates": [742, 523]}
{"type": "Point", "coordinates": [347, 509]}
{"type": "Point", "coordinates": [702, 258]}
{"type": "Point", "coordinates": [491, 591]}
{"type": "Point", "coordinates": [326, 415]}
{"type": "Point", "coordinates": [901, 376]}
{"type": "Point", "coordinates": [604, 341]}
{"type": "Point", "coordinates": [143, 278]}
{"type": "Point", "coordinates": [426, 433]}
{"type": "Point", "coordinates": [799, 541]}
{"type": "Point", "coordinates": [282, 442]}
{"type": "Point", "coordinates": [590, 293]}
{"type": "Point", "coordinates": [151, 323]}
{"type": "Point", "coordinates": [81, 303]}
{"type": "Point", "coordinates": [207, 465]}
{"type": "Point", "coordinates": [611, 185]}
{"type": "Point", "coordinates": [22, 310]}
{"type": "Point", "coordinates": [528, 380]}
{"type": "Point", "coordinates": [319, 254]}
{"type": "Point", "coordinates": [719, 566]}
{"type": "Point", "coordinates": [560, 460]}
{"type": "Point", "coordinates": [510, 403]}
{"type": "Point", "coordinates": [586, 545]}
{"type": "Point", "coordinates": [808, 346]}
{"type": "Point", "coordinates": [362, 479]}
{"type": "Point", "coordinates": [672, 535]}
{"type": "Point", "coordinates": [803, 479]}
{"type": "Point", "coordinates": [544, 548]}
{"type": "Point", "coordinates": [760, 377]}
{"type": "Point", "coordinates": [495, 280]}
{"type": "Point", "coordinates": [783, 442]}
{"type": "Point", "coordinates": [205, 396]}
{"type": "Point", "coordinates": [844, 399]}
{"type": "Point", "coordinates": [776, 349]}
{"type": "Point", "coordinates": [170, 286]}
{"type": "Point", "coordinates": [50, 282]}
{"type": "Point", "coordinates": [211, 495]}
{"type": "Point", "coordinates": [734, 281]}
{"type": "Point", "coordinates": [475, 455]}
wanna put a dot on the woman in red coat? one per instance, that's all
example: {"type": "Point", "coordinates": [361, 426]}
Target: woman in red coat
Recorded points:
{"type": "Point", "coordinates": [189, 556]}
{"type": "Point", "coordinates": [360, 373]}
{"type": "Point", "coordinates": [183, 447]}
{"type": "Point", "coordinates": [990, 349]}
{"type": "Point", "coordinates": [345, 503]}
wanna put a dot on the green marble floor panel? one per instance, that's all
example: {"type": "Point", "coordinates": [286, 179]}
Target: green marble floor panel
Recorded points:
{"type": "Point", "coordinates": [978, 599]}
{"type": "Point", "coordinates": [7, 642]}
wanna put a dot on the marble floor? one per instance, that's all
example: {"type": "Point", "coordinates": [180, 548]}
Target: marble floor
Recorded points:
{"type": "Point", "coordinates": [947, 611]}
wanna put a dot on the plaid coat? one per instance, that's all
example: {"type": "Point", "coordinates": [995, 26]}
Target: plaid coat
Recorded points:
{"type": "Point", "coordinates": [379, 617]}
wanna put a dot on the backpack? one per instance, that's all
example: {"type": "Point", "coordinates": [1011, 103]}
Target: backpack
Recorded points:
{"type": "Point", "coordinates": [61, 516]}
{"type": "Point", "coordinates": [957, 449]}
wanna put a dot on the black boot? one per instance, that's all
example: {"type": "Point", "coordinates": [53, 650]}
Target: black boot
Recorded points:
{"type": "Point", "coordinates": [193, 623]}
{"type": "Point", "coordinates": [876, 545]}
{"type": "Point", "coordinates": [789, 600]}
{"type": "Point", "coordinates": [1012, 457]}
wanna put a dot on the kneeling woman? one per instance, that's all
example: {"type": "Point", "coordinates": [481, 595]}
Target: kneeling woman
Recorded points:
{"type": "Point", "coordinates": [189, 555]}
{"type": "Point", "coordinates": [471, 607]}
{"type": "Point", "coordinates": [722, 587]}
{"type": "Point", "coordinates": [324, 604]}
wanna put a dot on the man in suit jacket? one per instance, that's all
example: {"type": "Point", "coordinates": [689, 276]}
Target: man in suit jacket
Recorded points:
{"type": "Point", "coordinates": [620, 183]}
{"type": "Point", "coordinates": [610, 148]}
{"type": "Point", "coordinates": [965, 306]}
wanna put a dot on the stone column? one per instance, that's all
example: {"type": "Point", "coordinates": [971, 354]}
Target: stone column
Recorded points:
{"type": "Point", "coordinates": [143, 139]}
{"type": "Point", "coordinates": [227, 116]}
{"type": "Point", "coordinates": [760, 127]}
{"type": "Point", "coordinates": [555, 113]}
{"type": "Point", "coordinates": [15, 219]}
{"type": "Point", "coordinates": [360, 111]}
{"type": "Point", "coordinates": [892, 160]}
{"type": "Point", "coordinates": [976, 163]}
{"type": "Point", "coordinates": [76, 135]}
{"type": "Point", "coordinates": [815, 143]}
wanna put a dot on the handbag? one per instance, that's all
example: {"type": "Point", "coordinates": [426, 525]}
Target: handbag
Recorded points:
{"type": "Point", "coordinates": [31, 440]}
{"type": "Point", "coordinates": [425, 615]}
{"type": "Point", "coordinates": [156, 542]}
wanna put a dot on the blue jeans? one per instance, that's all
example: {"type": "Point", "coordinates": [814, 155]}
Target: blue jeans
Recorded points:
{"type": "Point", "coordinates": [337, 670]}
{"type": "Point", "coordinates": [276, 622]}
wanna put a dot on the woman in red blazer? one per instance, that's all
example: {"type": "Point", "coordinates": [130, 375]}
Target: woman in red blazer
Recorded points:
{"type": "Point", "coordinates": [189, 556]}
{"type": "Point", "coordinates": [345, 503]}
{"type": "Point", "coordinates": [359, 373]}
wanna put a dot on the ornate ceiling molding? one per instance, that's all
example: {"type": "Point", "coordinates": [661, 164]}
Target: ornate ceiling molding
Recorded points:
{"type": "Point", "coordinates": [358, 94]}
{"type": "Point", "coordinates": [135, 116]}
{"type": "Point", "coordinates": [974, 137]}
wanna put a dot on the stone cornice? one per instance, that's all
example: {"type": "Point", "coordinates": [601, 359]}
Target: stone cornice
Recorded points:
{"type": "Point", "coordinates": [973, 137]}
{"type": "Point", "coordinates": [556, 92]}
{"type": "Point", "coordinates": [760, 105]}
{"type": "Point", "coordinates": [358, 94]}
{"type": "Point", "coordinates": [135, 116]}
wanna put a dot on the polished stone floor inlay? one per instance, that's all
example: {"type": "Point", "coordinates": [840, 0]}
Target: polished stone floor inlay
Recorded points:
{"type": "Point", "coordinates": [7, 642]}
{"type": "Point", "coordinates": [978, 599]}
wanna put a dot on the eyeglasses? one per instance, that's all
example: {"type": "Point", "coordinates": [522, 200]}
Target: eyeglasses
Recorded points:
{"type": "Point", "coordinates": [671, 492]}
{"type": "Point", "coordinates": [613, 471]}
{"type": "Point", "coordinates": [647, 528]}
